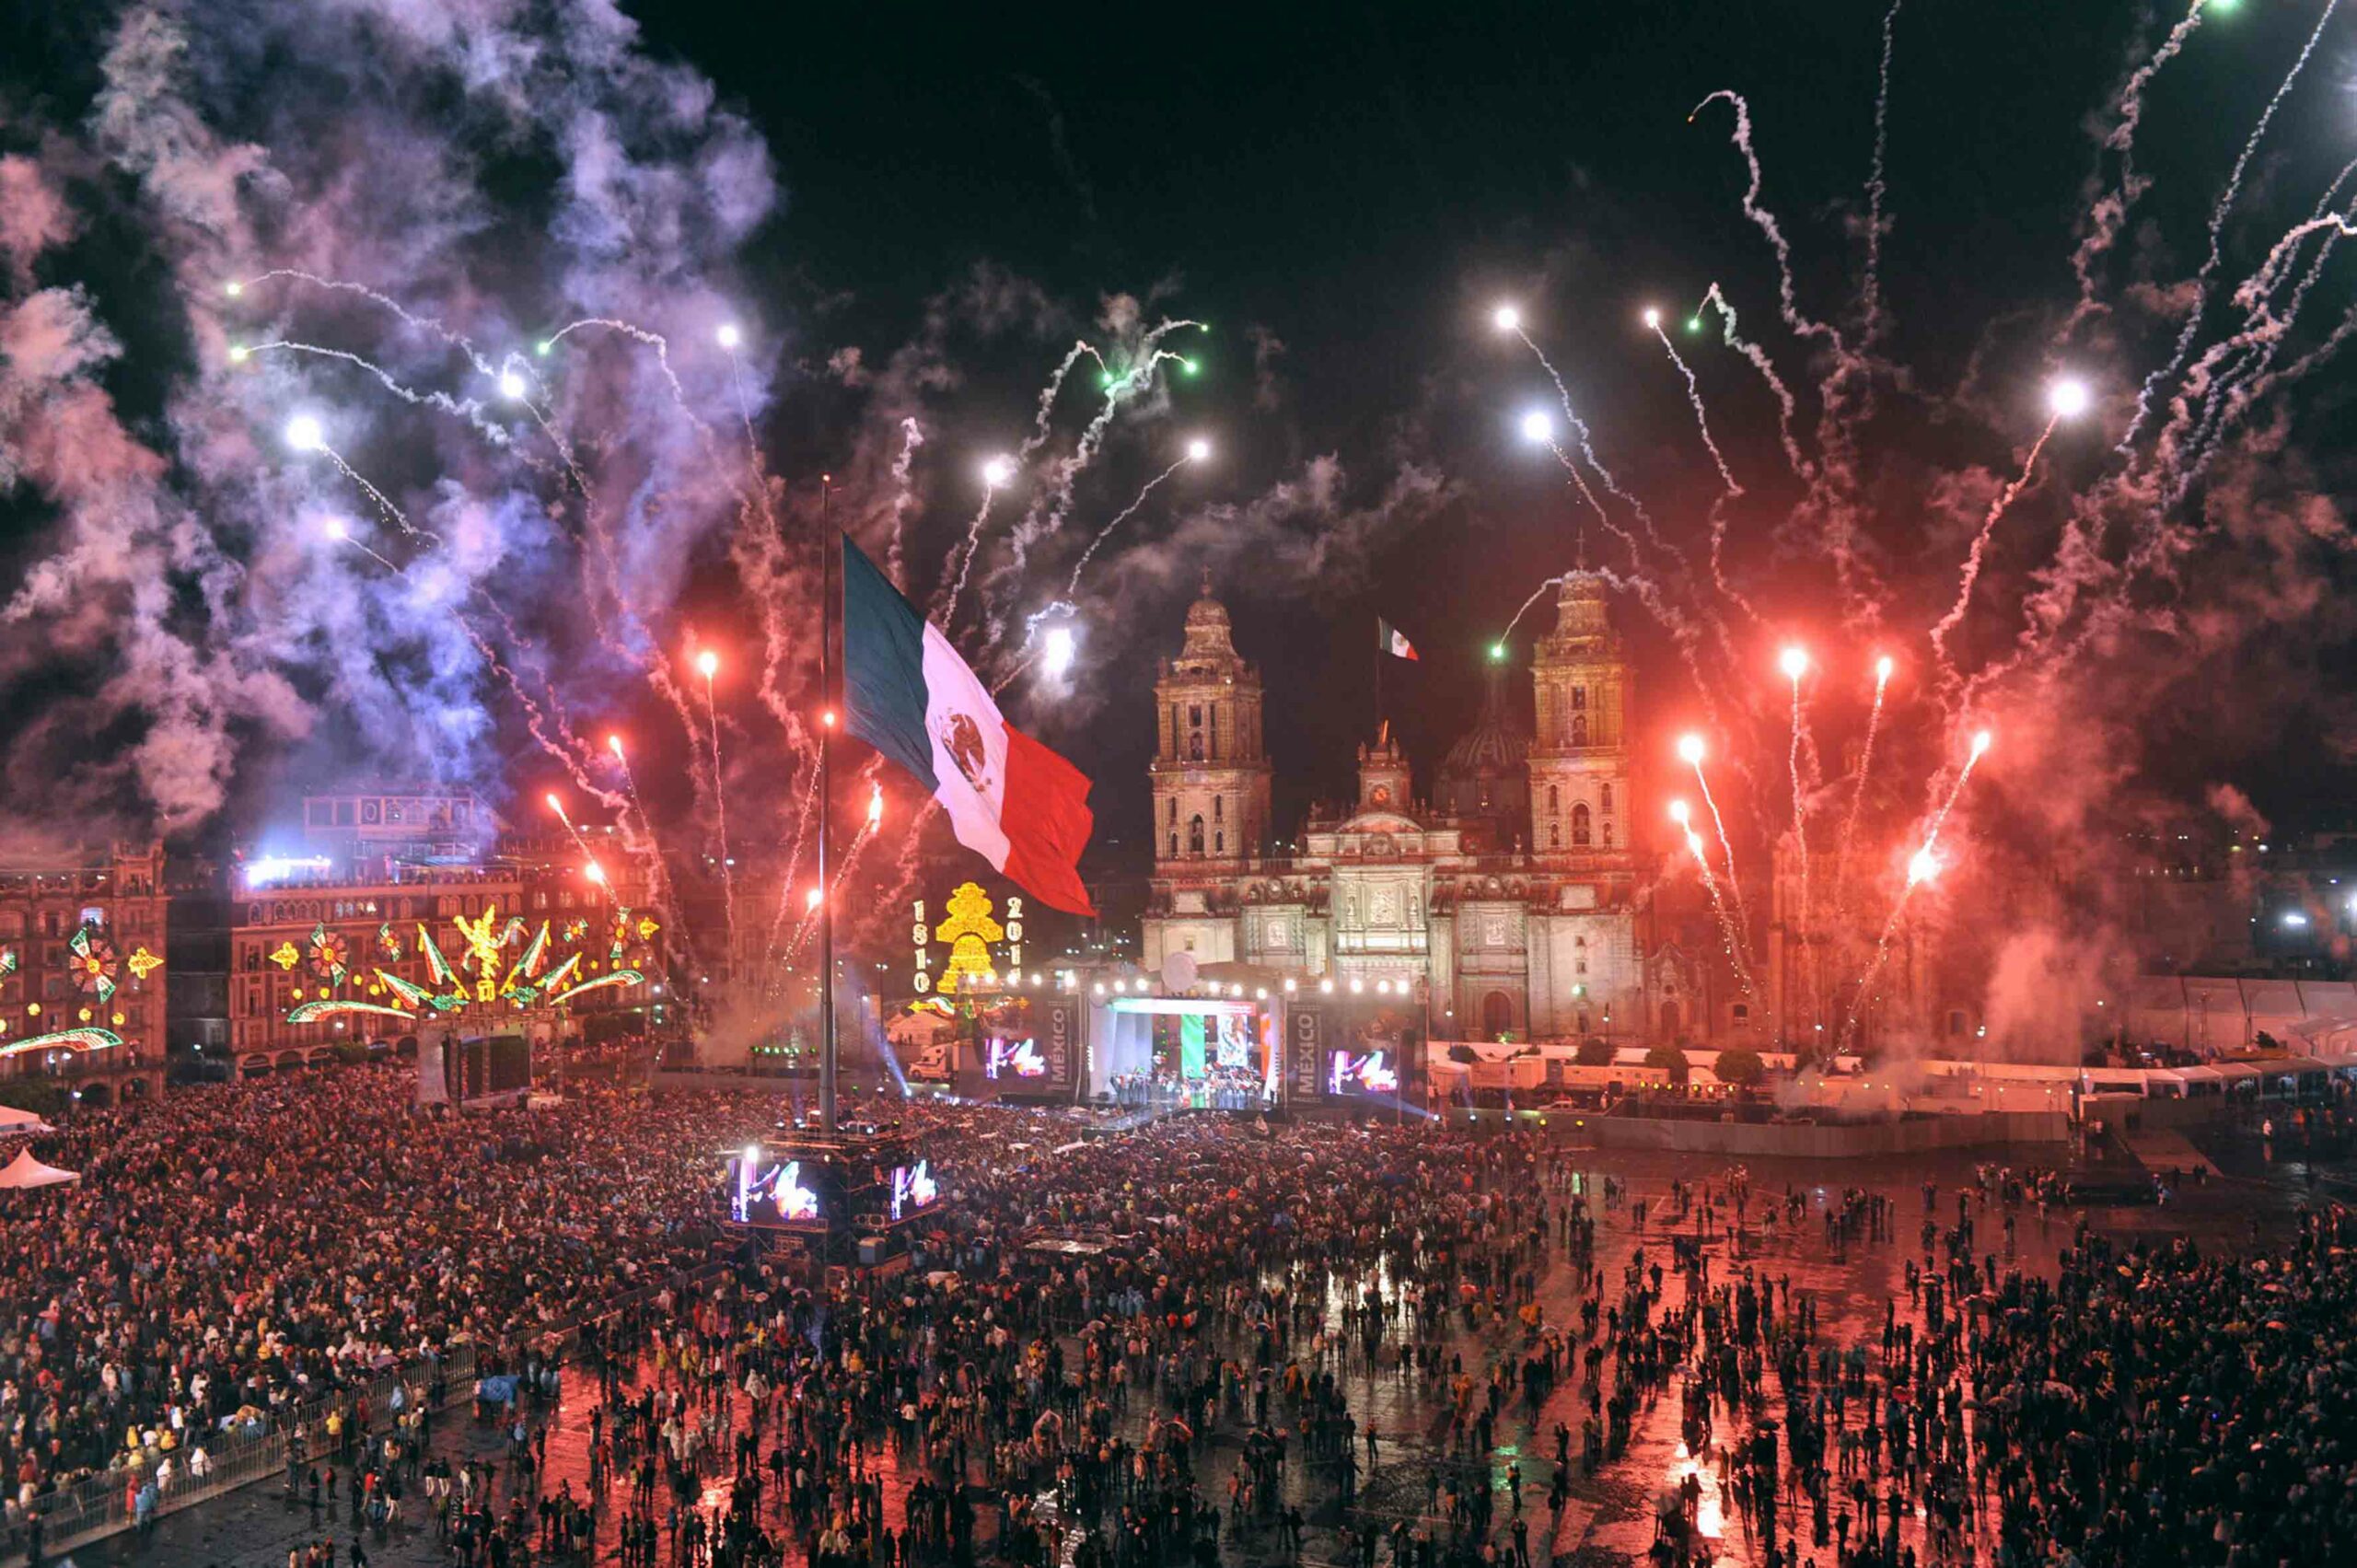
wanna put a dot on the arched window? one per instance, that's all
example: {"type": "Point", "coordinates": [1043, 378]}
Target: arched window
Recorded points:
{"type": "Point", "coordinates": [1554, 798]}
{"type": "Point", "coordinates": [1219, 843]}
{"type": "Point", "coordinates": [1497, 1014]}
{"type": "Point", "coordinates": [1195, 747]}
{"type": "Point", "coordinates": [1555, 835]}
{"type": "Point", "coordinates": [1174, 846]}
{"type": "Point", "coordinates": [1173, 815]}
{"type": "Point", "coordinates": [1579, 826]}
{"type": "Point", "coordinates": [1195, 834]}
{"type": "Point", "coordinates": [1579, 699]}
{"type": "Point", "coordinates": [1219, 808]}
{"type": "Point", "coordinates": [1607, 800]}
{"type": "Point", "coordinates": [1195, 715]}
{"type": "Point", "coordinates": [1608, 835]}
{"type": "Point", "coordinates": [1579, 729]}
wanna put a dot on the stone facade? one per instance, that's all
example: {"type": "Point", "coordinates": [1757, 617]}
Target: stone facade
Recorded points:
{"type": "Point", "coordinates": [1509, 899]}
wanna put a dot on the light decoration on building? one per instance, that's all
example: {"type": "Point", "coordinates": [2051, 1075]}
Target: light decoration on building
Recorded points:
{"type": "Point", "coordinates": [64, 1039]}
{"type": "Point", "coordinates": [969, 931]}
{"type": "Point", "coordinates": [285, 956]}
{"type": "Point", "coordinates": [142, 963]}
{"type": "Point", "coordinates": [521, 985]}
{"type": "Point", "coordinates": [8, 959]}
{"type": "Point", "coordinates": [331, 954]}
{"type": "Point", "coordinates": [94, 964]}
{"type": "Point", "coordinates": [387, 943]}
{"type": "Point", "coordinates": [921, 935]}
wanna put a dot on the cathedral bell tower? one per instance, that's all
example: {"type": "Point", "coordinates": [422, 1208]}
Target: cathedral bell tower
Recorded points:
{"type": "Point", "coordinates": [1210, 774]}
{"type": "Point", "coordinates": [1579, 759]}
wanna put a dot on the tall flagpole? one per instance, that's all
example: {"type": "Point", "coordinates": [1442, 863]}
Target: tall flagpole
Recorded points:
{"type": "Point", "coordinates": [828, 618]}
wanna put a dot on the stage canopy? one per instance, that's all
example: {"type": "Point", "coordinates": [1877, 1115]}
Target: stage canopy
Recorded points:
{"type": "Point", "coordinates": [18, 1123]}
{"type": "Point", "coordinates": [26, 1171]}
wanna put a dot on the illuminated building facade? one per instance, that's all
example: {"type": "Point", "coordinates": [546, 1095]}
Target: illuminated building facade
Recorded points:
{"type": "Point", "coordinates": [83, 945]}
{"type": "Point", "coordinates": [1509, 899]}
{"type": "Point", "coordinates": [371, 868]}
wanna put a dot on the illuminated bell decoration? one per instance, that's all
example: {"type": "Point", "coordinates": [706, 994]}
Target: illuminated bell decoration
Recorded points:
{"type": "Point", "coordinates": [969, 930]}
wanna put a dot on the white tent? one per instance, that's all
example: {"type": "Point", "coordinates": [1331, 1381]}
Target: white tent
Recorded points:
{"type": "Point", "coordinates": [26, 1171]}
{"type": "Point", "coordinates": [19, 1123]}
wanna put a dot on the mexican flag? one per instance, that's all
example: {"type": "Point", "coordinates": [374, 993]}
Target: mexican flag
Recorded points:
{"type": "Point", "coordinates": [906, 693]}
{"type": "Point", "coordinates": [1388, 638]}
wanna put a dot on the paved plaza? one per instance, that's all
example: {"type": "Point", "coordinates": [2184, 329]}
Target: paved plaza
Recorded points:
{"type": "Point", "coordinates": [1419, 1459]}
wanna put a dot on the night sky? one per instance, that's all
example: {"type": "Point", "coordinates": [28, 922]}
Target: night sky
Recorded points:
{"type": "Point", "coordinates": [1344, 195]}
{"type": "Point", "coordinates": [1366, 185]}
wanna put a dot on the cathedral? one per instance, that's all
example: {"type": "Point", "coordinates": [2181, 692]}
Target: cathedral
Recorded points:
{"type": "Point", "coordinates": [1509, 898]}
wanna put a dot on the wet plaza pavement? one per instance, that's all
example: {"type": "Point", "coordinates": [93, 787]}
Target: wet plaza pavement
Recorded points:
{"type": "Point", "coordinates": [1609, 1516]}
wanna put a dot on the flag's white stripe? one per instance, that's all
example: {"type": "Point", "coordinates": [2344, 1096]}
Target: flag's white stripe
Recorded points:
{"type": "Point", "coordinates": [959, 712]}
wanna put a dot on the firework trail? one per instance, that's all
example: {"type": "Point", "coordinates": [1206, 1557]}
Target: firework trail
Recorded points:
{"type": "Point", "coordinates": [1765, 221]}
{"type": "Point", "coordinates": [1921, 867]}
{"type": "Point", "coordinates": [1802, 467]}
{"type": "Point", "coordinates": [2110, 210]}
{"type": "Point", "coordinates": [1727, 845]}
{"type": "Point", "coordinates": [995, 474]}
{"type": "Point", "coordinates": [655, 341]}
{"type": "Point", "coordinates": [2192, 326]}
{"type": "Point", "coordinates": [1046, 513]}
{"type": "Point", "coordinates": [1870, 289]}
{"type": "Point", "coordinates": [1858, 794]}
{"type": "Point", "coordinates": [1727, 927]}
{"type": "Point", "coordinates": [556, 804]}
{"type": "Point", "coordinates": [1080, 349]}
{"type": "Point", "coordinates": [903, 496]}
{"type": "Point", "coordinates": [1733, 489]}
{"type": "Point", "coordinates": [808, 794]}
{"type": "Point", "coordinates": [2256, 362]}
{"type": "Point", "coordinates": [384, 503]}
{"type": "Point", "coordinates": [1955, 616]}
{"type": "Point", "coordinates": [1536, 594]}
{"type": "Point", "coordinates": [467, 408]}
{"type": "Point", "coordinates": [1882, 951]}
{"type": "Point", "coordinates": [407, 318]}
{"type": "Point", "coordinates": [1106, 532]}
{"type": "Point", "coordinates": [1800, 837]}
{"type": "Point", "coordinates": [340, 532]}
{"type": "Point", "coordinates": [705, 663]}
{"type": "Point", "coordinates": [1588, 450]}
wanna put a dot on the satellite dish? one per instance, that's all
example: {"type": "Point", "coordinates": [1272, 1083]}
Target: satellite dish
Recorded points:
{"type": "Point", "coordinates": [1179, 971]}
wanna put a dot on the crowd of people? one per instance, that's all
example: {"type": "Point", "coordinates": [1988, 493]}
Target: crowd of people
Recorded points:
{"type": "Point", "coordinates": [1181, 1344]}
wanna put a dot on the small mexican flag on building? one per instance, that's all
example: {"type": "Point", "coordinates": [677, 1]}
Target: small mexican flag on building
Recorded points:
{"type": "Point", "coordinates": [1388, 638]}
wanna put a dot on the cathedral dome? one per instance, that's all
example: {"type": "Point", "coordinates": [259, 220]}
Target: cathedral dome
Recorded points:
{"type": "Point", "coordinates": [1498, 743]}
{"type": "Point", "coordinates": [1484, 773]}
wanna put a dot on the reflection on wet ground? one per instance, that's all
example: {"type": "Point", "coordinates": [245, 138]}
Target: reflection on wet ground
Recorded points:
{"type": "Point", "coordinates": [2233, 1187]}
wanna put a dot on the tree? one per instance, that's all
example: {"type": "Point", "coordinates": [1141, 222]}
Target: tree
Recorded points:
{"type": "Point", "coordinates": [1592, 1053]}
{"type": "Point", "coordinates": [1671, 1060]}
{"type": "Point", "coordinates": [1740, 1065]}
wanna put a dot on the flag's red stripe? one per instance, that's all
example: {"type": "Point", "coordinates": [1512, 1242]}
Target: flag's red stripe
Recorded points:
{"type": "Point", "coordinates": [1047, 821]}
